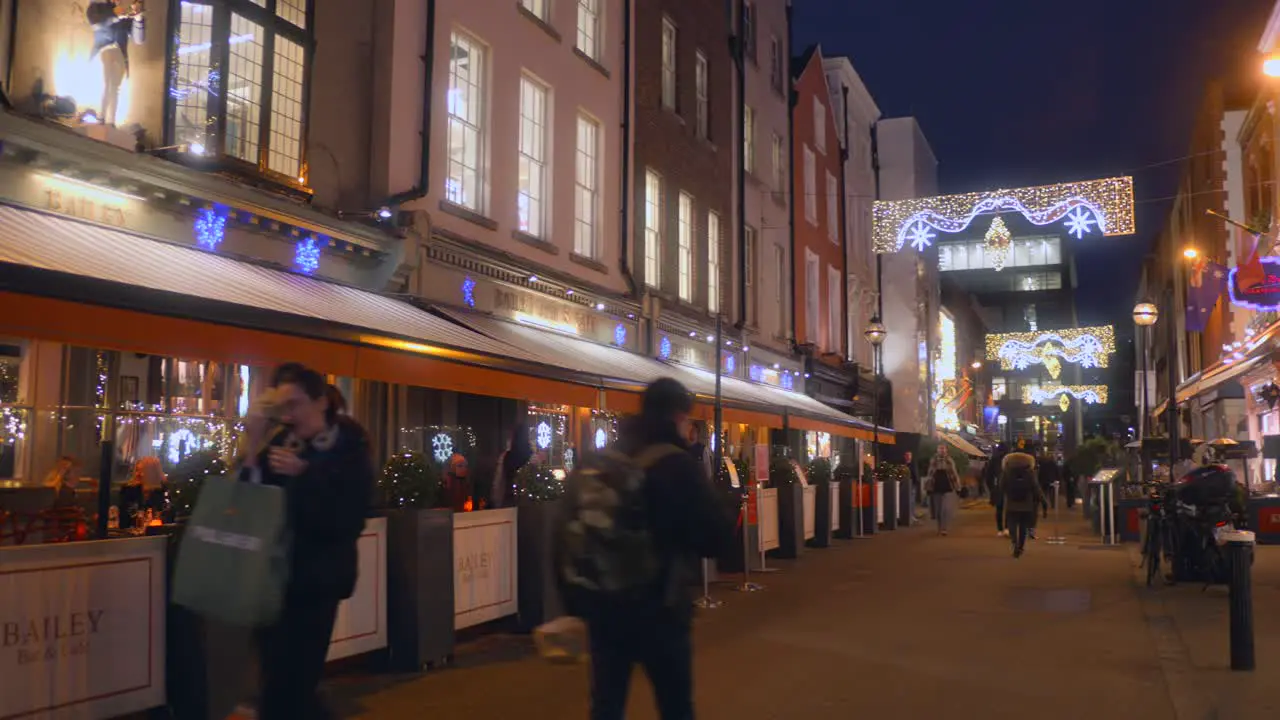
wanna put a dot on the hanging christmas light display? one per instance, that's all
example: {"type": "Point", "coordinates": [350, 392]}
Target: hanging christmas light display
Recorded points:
{"type": "Point", "coordinates": [997, 243]}
{"type": "Point", "coordinates": [1089, 347]}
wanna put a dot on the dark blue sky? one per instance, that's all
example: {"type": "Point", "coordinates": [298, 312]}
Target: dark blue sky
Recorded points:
{"type": "Point", "coordinates": [1012, 93]}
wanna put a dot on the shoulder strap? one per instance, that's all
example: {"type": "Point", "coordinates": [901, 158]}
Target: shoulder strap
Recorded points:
{"type": "Point", "coordinates": [650, 456]}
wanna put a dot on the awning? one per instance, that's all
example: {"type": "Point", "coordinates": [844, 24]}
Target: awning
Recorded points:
{"type": "Point", "coordinates": [962, 445]}
{"type": "Point", "coordinates": [83, 284]}
{"type": "Point", "coordinates": [1217, 376]}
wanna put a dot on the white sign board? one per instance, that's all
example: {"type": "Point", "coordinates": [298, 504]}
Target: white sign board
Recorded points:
{"type": "Point", "coordinates": [835, 506]}
{"type": "Point", "coordinates": [767, 518]}
{"type": "Point", "coordinates": [879, 502]}
{"type": "Point", "coordinates": [810, 511]}
{"type": "Point", "coordinates": [82, 629]}
{"type": "Point", "coordinates": [484, 566]}
{"type": "Point", "coordinates": [361, 626]}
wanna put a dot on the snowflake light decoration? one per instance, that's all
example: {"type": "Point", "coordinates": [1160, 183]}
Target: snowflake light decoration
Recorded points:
{"type": "Point", "coordinates": [1049, 394]}
{"type": "Point", "coordinates": [1107, 202]}
{"type": "Point", "coordinates": [920, 236]}
{"type": "Point", "coordinates": [307, 255]}
{"type": "Point", "coordinates": [1090, 347]}
{"type": "Point", "coordinates": [619, 334]}
{"type": "Point", "coordinates": [182, 443]}
{"type": "Point", "coordinates": [210, 227]}
{"type": "Point", "coordinates": [788, 383]}
{"type": "Point", "coordinates": [568, 459]}
{"type": "Point", "coordinates": [544, 435]}
{"type": "Point", "coordinates": [442, 447]}
{"type": "Point", "coordinates": [469, 292]}
{"type": "Point", "coordinates": [664, 348]}
{"type": "Point", "coordinates": [730, 363]}
{"type": "Point", "coordinates": [756, 373]}
{"type": "Point", "coordinates": [602, 438]}
{"type": "Point", "coordinates": [1080, 222]}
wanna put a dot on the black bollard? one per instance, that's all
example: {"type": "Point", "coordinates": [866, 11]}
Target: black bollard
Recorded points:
{"type": "Point", "coordinates": [1240, 557]}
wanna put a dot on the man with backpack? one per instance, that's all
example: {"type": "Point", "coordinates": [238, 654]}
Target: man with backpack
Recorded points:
{"type": "Point", "coordinates": [638, 517]}
{"type": "Point", "coordinates": [1021, 496]}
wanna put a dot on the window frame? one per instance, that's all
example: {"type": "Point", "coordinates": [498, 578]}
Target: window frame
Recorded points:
{"type": "Point", "coordinates": [748, 138]}
{"type": "Point", "coordinates": [686, 237]}
{"type": "Point", "coordinates": [779, 165]}
{"type": "Point", "coordinates": [819, 125]}
{"type": "Point", "coordinates": [835, 334]}
{"type": "Point", "coordinates": [713, 261]}
{"type": "Point", "coordinates": [702, 95]}
{"type": "Point", "coordinates": [813, 299]}
{"type": "Point", "coordinates": [783, 281]}
{"type": "Point", "coordinates": [810, 185]}
{"type": "Point", "coordinates": [751, 249]}
{"type": "Point", "coordinates": [541, 14]}
{"type": "Point", "coordinates": [775, 64]}
{"type": "Point", "coordinates": [540, 230]}
{"type": "Point", "coordinates": [595, 26]}
{"type": "Point", "coordinates": [482, 199]}
{"type": "Point", "coordinates": [593, 241]}
{"type": "Point", "coordinates": [833, 209]}
{"type": "Point", "coordinates": [670, 72]}
{"type": "Point", "coordinates": [652, 232]}
{"type": "Point", "coordinates": [749, 29]}
{"type": "Point", "coordinates": [215, 107]}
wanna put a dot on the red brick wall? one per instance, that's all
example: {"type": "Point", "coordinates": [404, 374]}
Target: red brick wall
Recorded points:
{"type": "Point", "coordinates": [811, 84]}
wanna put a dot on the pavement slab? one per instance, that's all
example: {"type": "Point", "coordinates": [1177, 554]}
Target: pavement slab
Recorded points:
{"type": "Point", "coordinates": [907, 624]}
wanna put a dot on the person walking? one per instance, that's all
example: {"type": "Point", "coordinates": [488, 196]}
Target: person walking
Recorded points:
{"type": "Point", "coordinates": [1020, 458]}
{"type": "Point", "coordinates": [1049, 476]}
{"type": "Point", "coordinates": [637, 597]}
{"type": "Point", "coordinates": [1021, 497]}
{"type": "Point", "coordinates": [991, 474]}
{"type": "Point", "coordinates": [944, 482]}
{"type": "Point", "coordinates": [518, 453]}
{"type": "Point", "coordinates": [299, 441]}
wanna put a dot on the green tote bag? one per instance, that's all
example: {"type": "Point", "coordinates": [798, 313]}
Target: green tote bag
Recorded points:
{"type": "Point", "coordinates": [232, 562]}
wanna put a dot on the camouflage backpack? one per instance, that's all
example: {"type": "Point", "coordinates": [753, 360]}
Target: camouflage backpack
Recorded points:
{"type": "Point", "coordinates": [606, 546]}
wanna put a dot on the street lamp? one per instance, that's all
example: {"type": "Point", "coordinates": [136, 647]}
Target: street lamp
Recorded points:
{"type": "Point", "coordinates": [875, 334]}
{"type": "Point", "coordinates": [1190, 253]}
{"type": "Point", "coordinates": [1271, 66]}
{"type": "Point", "coordinates": [1145, 315]}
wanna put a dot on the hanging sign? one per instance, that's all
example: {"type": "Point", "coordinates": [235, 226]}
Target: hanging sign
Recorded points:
{"type": "Point", "coordinates": [1262, 296]}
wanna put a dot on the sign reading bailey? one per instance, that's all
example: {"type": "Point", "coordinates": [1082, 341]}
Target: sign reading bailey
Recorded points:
{"type": "Point", "coordinates": [551, 313]}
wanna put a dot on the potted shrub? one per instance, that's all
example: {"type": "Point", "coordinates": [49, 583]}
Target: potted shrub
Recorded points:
{"type": "Point", "coordinates": [820, 477]}
{"type": "Point", "coordinates": [419, 562]}
{"type": "Point", "coordinates": [782, 475]}
{"type": "Point", "coordinates": [538, 507]}
{"type": "Point", "coordinates": [893, 475]}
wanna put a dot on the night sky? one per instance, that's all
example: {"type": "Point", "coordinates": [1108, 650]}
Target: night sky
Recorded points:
{"type": "Point", "coordinates": [1012, 93]}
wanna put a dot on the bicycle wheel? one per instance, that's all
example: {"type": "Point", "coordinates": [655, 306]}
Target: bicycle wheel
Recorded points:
{"type": "Point", "coordinates": [1151, 550]}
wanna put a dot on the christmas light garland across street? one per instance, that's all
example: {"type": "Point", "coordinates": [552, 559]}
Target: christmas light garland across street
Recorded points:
{"type": "Point", "coordinates": [1087, 346]}
{"type": "Point", "coordinates": [1106, 203]}
{"type": "Point", "coordinates": [1088, 394]}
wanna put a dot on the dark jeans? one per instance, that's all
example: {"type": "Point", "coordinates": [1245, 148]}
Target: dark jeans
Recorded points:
{"type": "Point", "coordinates": [291, 655]}
{"type": "Point", "coordinates": [659, 641]}
{"type": "Point", "coordinates": [999, 517]}
{"type": "Point", "coordinates": [1020, 522]}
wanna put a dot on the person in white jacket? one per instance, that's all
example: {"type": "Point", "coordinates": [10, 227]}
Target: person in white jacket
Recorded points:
{"type": "Point", "coordinates": [943, 482]}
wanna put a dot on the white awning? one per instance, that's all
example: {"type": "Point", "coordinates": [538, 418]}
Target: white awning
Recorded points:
{"type": "Point", "coordinates": [962, 444]}
{"type": "Point", "coordinates": [1220, 375]}
{"type": "Point", "coordinates": [47, 242]}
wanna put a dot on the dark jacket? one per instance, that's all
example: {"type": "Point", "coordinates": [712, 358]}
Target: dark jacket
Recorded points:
{"type": "Point", "coordinates": [991, 474]}
{"type": "Point", "coordinates": [687, 520]}
{"type": "Point", "coordinates": [110, 29]}
{"type": "Point", "coordinates": [327, 505]}
{"type": "Point", "coordinates": [1035, 499]}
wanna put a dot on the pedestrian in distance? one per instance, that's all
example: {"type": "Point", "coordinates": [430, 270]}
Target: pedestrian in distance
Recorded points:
{"type": "Point", "coordinates": [297, 439]}
{"type": "Point", "coordinates": [637, 519]}
{"type": "Point", "coordinates": [944, 483]}
{"type": "Point", "coordinates": [1021, 497]}
{"type": "Point", "coordinates": [991, 473]}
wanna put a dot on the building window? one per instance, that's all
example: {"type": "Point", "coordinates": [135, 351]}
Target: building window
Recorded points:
{"type": "Point", "coordinates": [749, 138]}
{"type": "Point", "coordinates": [812, 284]}
{"type": "Point", "coordinates": [833, 203]}
{"type": "Point", "coordinates": [652, 229]}
{"type": "Point", "coordinates": [668, 64]}
{"type": "Point", "coordinates": [713, 262]}
{"type": "Point", "coordinates": [999, 388]}
{"type": "Point", "coordinates": [532, 166]}
{"type": "Point", "coordinates": [775, 64]}
{"type": "Point", "coordinates": [589, 28]}
{"type": "Point", "coordinates": [749, 268]}
{"type": "Point", "coordinates": [835, 339]}
{"type": "Point", "coordinates": [587, 188]}
{"type": "Point", "coordinates": [263, 107]}
{"type": "Point", "coordinates": [703, 101]}
{"type": "Point", "coordinates": [749, 30]}
{"type": "Point", "coordinates": [819, 125]}
{"type": "Point", "coordinates": [783, 285]}
{"type": "Point", "coordinates": [810, 186]}
{"type": "Point", "coordinates": [537, 8]}
{"type": "Point", "coordinates": [779, 166]}
{"type": "Point", "coordinates": [464, 176]}
{"type": "Point", "coordinates": [684, 251]}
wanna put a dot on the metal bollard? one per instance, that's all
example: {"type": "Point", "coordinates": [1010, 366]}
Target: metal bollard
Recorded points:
{"type": "Point", "coordinates": [1240, 556]}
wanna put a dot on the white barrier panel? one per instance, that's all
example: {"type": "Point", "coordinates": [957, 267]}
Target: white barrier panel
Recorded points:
{"type": "Point", "coordinates": [835, 506]}
{"type": "Point", "coordinates": [361, 626]}
{"type": "Point", "coordinates": [810, 511]}
{"type": "Point", "coordinates": [879, 502]}
{"type": "Point", "coordinates": [767, 517]}
{"type": "Point", "coordinates": [484, 566]}
{"type": "Point", "coordinates": [82, 629]}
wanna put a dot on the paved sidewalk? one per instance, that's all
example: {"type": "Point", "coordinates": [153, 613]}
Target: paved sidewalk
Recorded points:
{"type": "Point", "coordinates": [909, 625]}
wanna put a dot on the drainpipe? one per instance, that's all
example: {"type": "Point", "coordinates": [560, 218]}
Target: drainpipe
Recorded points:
{"type": "Point", "coordinates": [844, 222]}
{"type": "Point", "coordinates": [791, 171]}
{"type": "Point", "coordinates": [419, 191]}
{"type": "Point", "coordinates": [739, 61]}
{"type": "Point", "coordinates": [624, 199]}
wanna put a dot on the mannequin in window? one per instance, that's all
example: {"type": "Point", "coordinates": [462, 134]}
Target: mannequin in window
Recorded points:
{"type": "Point", "coordinates": [114, 26]}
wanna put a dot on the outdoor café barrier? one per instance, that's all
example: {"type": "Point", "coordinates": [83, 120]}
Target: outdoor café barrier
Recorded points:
{"type": "Point", "coordinates": [1240, 544]}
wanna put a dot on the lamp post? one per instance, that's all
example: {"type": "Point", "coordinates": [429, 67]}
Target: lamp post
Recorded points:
{"type": "Point", "coordinates": [1175, 429]}
{"type": "Point", "coordinates": [1145, 315]}
{"type": "Point", "coordinates": [875, 334]}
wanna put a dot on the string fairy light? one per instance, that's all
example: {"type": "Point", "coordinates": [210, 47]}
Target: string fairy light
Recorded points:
{"type": "Point", "coordinates": [1087, 346]}
{"type": "Point", "coordinates": [1107, 203]}
{"type": "Point", "coordinates": [1048, 394]}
